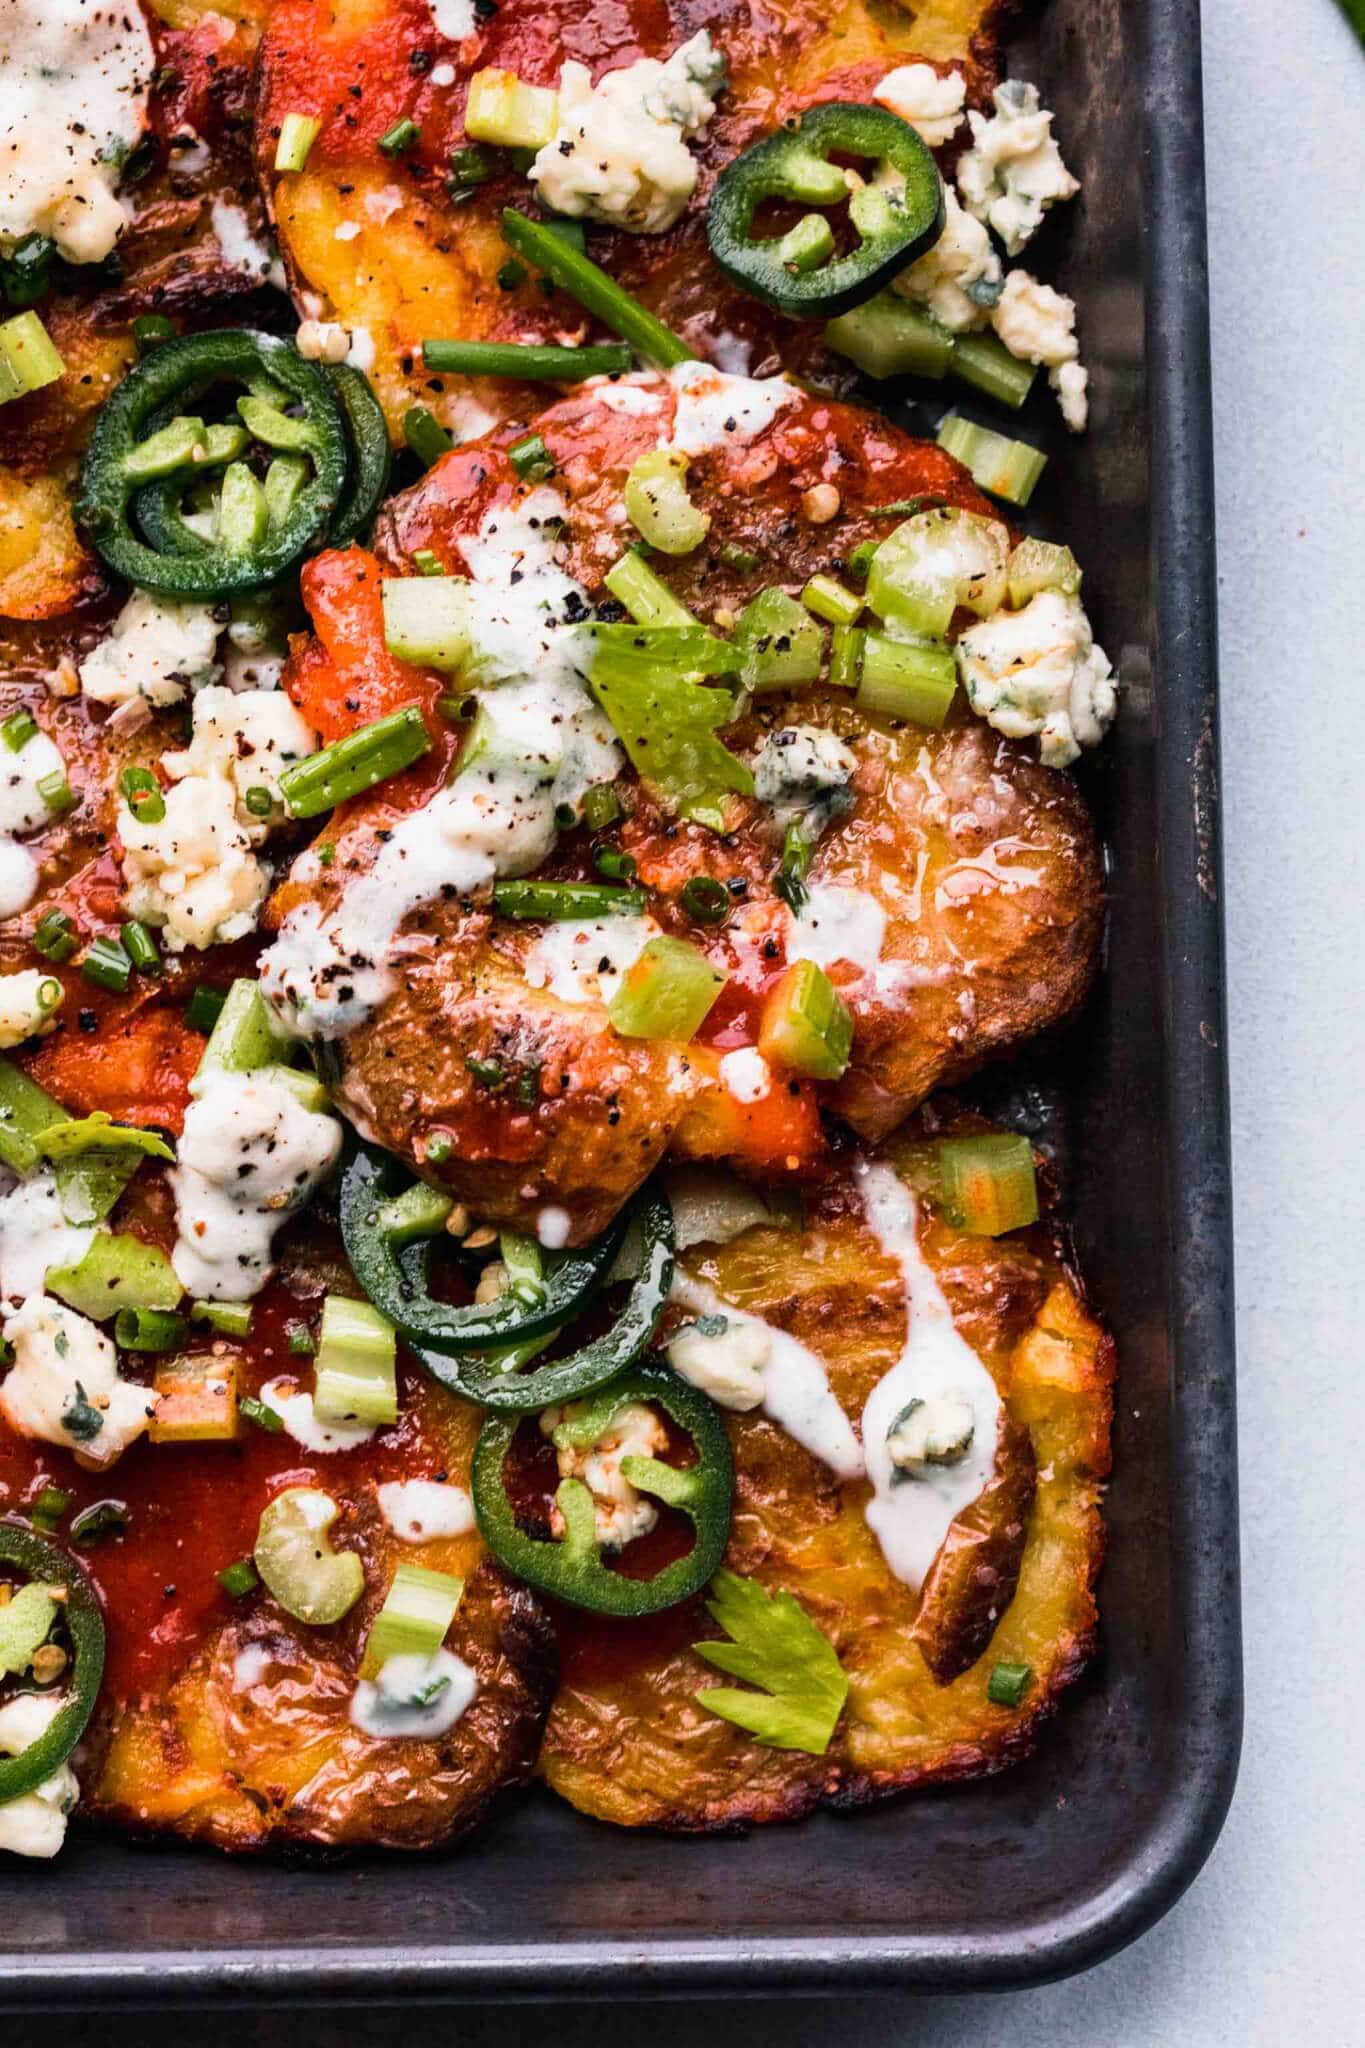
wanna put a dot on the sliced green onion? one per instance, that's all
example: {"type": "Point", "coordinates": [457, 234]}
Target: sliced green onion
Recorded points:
{"type": "Point", "coordinates": [846, 656]}
{"type": "Point", "coordinates": [259, 801]}
{"type": "Point", "coordinates": [93, 1524]}
{"type": "Point", "coordinates": [18, 729]}
{"type": "Point", "coordinates": [602, 807]}
{"type": "Point", "coordinates": [426, 563]}
{"type": "Point", "coordinates": [886, 337]}
{"type": "Point", "coordinates": [298, 133]}
{"type": "Point", "coordinates": [667, 992]}
{"type": "Point", "coordinates": [531, 361]}
{"type": "Point", "coordinates": [502, 110]}
{"type": "Point", "coordinates": [1008, 1683]}
{"type": "Point", "coordinates": [264, 1418]}
{"type": "Point", "coordinates": [646, 596]}
{"type": "Point", "coordinates": [400, 137]}
{"type": "Point", "coordinates": [783, 645]}
{"type": "Point", "coordinates": [831, 600]}
{"type": "Point", "coordinates": [984, 362]}
{"type": "Point", "coordinates": [575, 273]}
{"type": "Point", "coordinates": [1041, 565]}
{"type": "Point", "coordinates": [204, 1008]}
{"type": "Point", "coordinates": [531, 459]}
{"type": "Point", "coordinates": [141, 947]}
{"type": "Point", "coordinates": [26, 273]}
{"type": "Point", "coordinates": [150, 330]}
{"type": "Point", "coordinates": [294, 1555]}
{"type": "Point", "coordinates": [705, 899]}
{"type": "Point", "coordinates": [790, 879]}
{"type": "Point", "coordinates": [143, 1329]}
{"type": "Point", "coordinates": [356, 1364]}
{"type": "Point", "coordinates": [417, 1612]}
{"type": "Point", "coordinates": [237, 1580]}
{"type": "Point", "coordinates": [244, 1033]}
{"type": "Point", "coordinates": [116, 1272]}
{"type": "Point", "coordinates": [859, 560]}
{"type": "Point", "coordinates": [615, 865]}
{"type": "Point", "coordinates": [57, 793]}
{"type": "Point", "coordinates": [658, 505]}
{"type": "Point", "coordinates": [52, 1503]}
{"type": "Point", "coordinates": [356, 763]}
{"type": "Point", "coordinates": [559, 900]}
{"type": "Point", "coordinates": [425, 435]}
{"type": "Point", "coordinates": [228, 1318]}
{"type": "Point", "coordinates": [903, 679]}
{"type": "Point", "coordinates": [106, 965]}
{"type": "Point", "coordinates": [55, 936]}
{"type": "Point", "coordinates": [469, 168]}
{"type": "Point", "coordinates": [28, 359]}
{"type": "Point", "coordinates": [807, 1026]}
{"type": "Point", "coordinates": [144, 794]}
{"type": "Point", "coordinates": [426, 619]}
{"type": "Point", "coordinates": [988, 1182]}
{"type": "Point", "coordinates": [1007, 469]}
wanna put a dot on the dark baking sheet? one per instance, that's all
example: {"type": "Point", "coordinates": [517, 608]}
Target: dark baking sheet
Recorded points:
{"type": "Point", "coordinates": [1051, 1866]}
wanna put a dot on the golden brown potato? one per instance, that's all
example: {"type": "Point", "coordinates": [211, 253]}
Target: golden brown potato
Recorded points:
{"type": "Point", "coordinates": [626, 1739]}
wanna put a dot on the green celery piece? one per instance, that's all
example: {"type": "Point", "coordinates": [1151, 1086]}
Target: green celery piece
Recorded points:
{"type": "Point", "coordinates": [25, 1625]}
{"type": "Point", "coordinates": [116, 1272]}
{"type": "Point", "coordinates": [667, 726]}
{"type": "Point", "coordinates": [90, 1183]}
{"type": "Point", "coordinates": [25, 1110]}
{"type": "Point", "coordinates": [777, 1647]}
{"type": "Point", "coordinates": [72, 1136]}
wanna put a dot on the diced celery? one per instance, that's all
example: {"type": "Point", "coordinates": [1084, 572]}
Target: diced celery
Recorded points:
{"type": "Point", "coordinates": [245, 1034]}
{"type": "Point", "coordinates": [886, 337]}
{"type": "Point", "coordinates": [988, 1182]}
{"type": "Point", "coordinates": [196, 1401]}
{"type": "Point", "coordinates": [305, 1087]}
{"type": "Point", "coordinates": [294, 1555]}
{"type": "Point", "coordinates": [492, 747]}
{"type": "Point", "coordinates": [831, 600]}
{"type": "Point", "coordinates": [1041, 565]}
{"type": "Point", "coordinates": [783, 645]}
{"type": "Point", "coordinates": [26, 1110]}
{"type": "Point", "coordinates": [426, 619]}
{"type": "Point", "coordinates": [846, 656]}
{"type": "Point", "coordinates": [116, 1272]}
{"type": "Point", "coordinates": [298, 133]}
{"type": "Point", "coordinates": [658, 505]}
{"type": "Point", "coordinates": [1007, 469]}
{"type": "Point", "coordinates": [932, 563]}
{"type": "Point", "coordinates": [646, 596]}
{"type": "Point", "coordinates": [668, 725]}
{"type": "Point", "coordinates": [907, 679]}
{"type": "Point", "coordinates": [418, 1610]}
{"type": "Point", "coordinates": [983, 361]}
{"type": "Point", "coordinates": [666, 993]}
{"type": "Point", "coordinates": [503, 110]}
{"type": "Point", "coordinates": [28, 359]}
{"type": "Point", "coordinates": [807, 1026]}
{"type": "Point", "coordinates": [356, 1364]}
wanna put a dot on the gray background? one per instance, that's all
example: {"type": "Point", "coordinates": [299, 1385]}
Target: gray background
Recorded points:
{"type": "Point", "coordinates": [1267, 1947]}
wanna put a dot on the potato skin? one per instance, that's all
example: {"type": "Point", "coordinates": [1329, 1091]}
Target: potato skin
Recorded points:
{"type": "Point", "coordinates": [626, 1740]}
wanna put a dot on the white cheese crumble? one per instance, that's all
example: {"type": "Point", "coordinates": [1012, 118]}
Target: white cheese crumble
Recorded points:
{"type": "Point", "coordinates": [158, 649]}
{"type": "Point", "coordinates": [804, 771]}
{"type": "Point", "coordinates": [294, 1406]}
{"type": "Point", "coordinates": [933, 1431]}
{"type": "Point", "coordinates": [931, 103]}
{"type": "Point", "coordinates": [1038, 671]}
{"type": "Point", "coordinates": [242, 249]}
{"type": "Point", "coordinates": [712, 409]}
{"type": "Point", "coordinates": [64, 1386]}
{"type": "Point", "coordinates": [249, 1155]}
{"type": "Point", "coordinates": [194, 871]}
{"type": "Point", "coordinates": [620, 1512]}
{"type": "Point", "coordinates": [1014, 171]}
{"type": "Point", "coordinates": [18, 877]}
{"type": "Point", "coordinates": [74, 79]}
{"type": "Point", "coordinates": [35, 1823]}
{"type": "Point", "coordinates": [322, 341]}
{"type": "Point", "coordinates": [582, 960]}
{"type": "Point", "coordinates": [29, 1002]}
{"type": "Point", "coordinates": [838, 923]}
{"type": "Point", "coordinates": [454, 19]}
{"type": "Point", "coordinates": [1039, 324]}
{"type": "Point", "coordinates": [959, 278]}
{"type": "Point", "coordinates": [746, 1074]}
{"type": "Point", "coordinates": [425, 1510]}
{"type": "Point", "coordinates": [414, 1696]}
{"type": "Point", "coordinates": [619, 153]}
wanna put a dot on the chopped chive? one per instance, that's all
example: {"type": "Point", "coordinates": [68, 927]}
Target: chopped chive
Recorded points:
{"type": "Point", "coordinates": [860, 561]}
{"type": "Point", "coordinates": [141, 947]}
{"type": "Point", "coordinates": [426, 437]}
{"type": "Point", "coordinates": [538, 243]}
{"type": "Point", "coordinates": [94, 1524]}
{"type": "Point", "coordinates": [300, 1340]}
{"type": "Point", "coordinates": [469, 168]}
{"type": "Point", "coordinates": [400, 137]}
{"type": "Point", "coordinates": [601, 807]}
{"type": "Point", "coordinates": [150, 330]}
{"type": "Point", "coordinates": [52, 1503]}
{"type": "Point", "coordinates": [426, 563]}
{"type": "Point", "coordinates": [356, 763]}
{"type": "Point", "coordinates": [558, 900]}
{"type": "Point", "coordinates": [790, 880]}
{"type": "Point", "coordinates": [228, 1318]}
{"type": "Point", "coordinates": [531, 460]}
{"type": "Point", "coordinates": [259, 801]}
{"type": "Point", "coordinates": [327, 853]}
{"type": "Point", "coordinates": [56, 937]}
{"type": "Point", "coordinates": [204, 1008]}
{"type": "Point", "coordinates": [846, 656]}
{"type": "Point", "coordinates": [25, 274]}
{"type": "Point", "coordinates": [18, 729]}
{"type": "Point", "coordinates": [144, 794]}
{"type": "Point", "coordinates": [439, 1148]}
{"type": "Point", "coordinates": [263, 1416]}
{"type": "Point", "coordinates": [148, 1329]}
{"type": "Point", "coordinates": [237, 1580]}
{"type": "Point", "coordinates": [57, 793]}
{"type": "Point", "coordinates": [614, 864]}
{"type": "Point", "coordinates": [532, 361]}
{"type": "Point", "coordinates": [106, 965]}
{"type": "Point", "coordinates": [1008, 1683]}
{"type": "Point", "coordinates": [828, 599]}
{"type": "Point", "coordinates": [705, 899]}
{"type": "Point", "coordinates": [488, 1073]}
{"type": "Point", "coordinates": [298, 133]}
{"type": "Point", "coordinates": [511, 274]}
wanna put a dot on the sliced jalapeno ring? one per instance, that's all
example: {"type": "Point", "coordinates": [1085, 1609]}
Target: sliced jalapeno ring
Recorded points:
{"type": "Point", "coordinates": [44, 1563]}
{"type": "Point", "coordinates": [168, 383]}
{"type": "Point", "coordinates": [571, 1568]}
{"type": "Point", "coordinates": [499, 1384]}
{"type": "Point", "coordinates": [895, 214]}
{"type": "Point", "coordinates": [367, 434]}
{"type": "Point", "coordinates": [394, 1276]}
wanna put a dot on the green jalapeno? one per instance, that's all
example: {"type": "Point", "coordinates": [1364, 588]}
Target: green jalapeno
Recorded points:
{"type": "Point", "coordinates": [159, 390]}
{"type": "Point", "coordinates": [895, 215]}
{"type": "Point", "coordinates": [572, 1567]}
{"type": "Point", "coordinates": [43, 1563]}
{"type": "Point", "coordinates": [367, 436]}
{"type": "Point", "coordinates": [393, 1272]}
{"type": "Point", "coordinates": [498, 1383]}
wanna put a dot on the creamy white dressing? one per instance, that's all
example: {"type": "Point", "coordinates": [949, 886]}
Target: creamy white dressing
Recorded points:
{"type": "Point", "coordinates": [74, 79]}
{"type": "Point", "coordinates": [34, 1234]}
{"type": "Point", "coordinates": [415, 1696]}
{"type": "Point", "coordinates": [18, 878]}
{"type": "Point", "coordinates": [911, 1514]}
{"type": "Point", "coordinates": [157, 649]}
{"type": "Point", "coordinates": [582, 960]}
{"type": "Point", "coordinates": [64, 1386]}
{"type": "Point", "coordinates": [796, 1392]}
{"type": "Point", "coordinates": [296, 1412]}
{"type": "Point", "coordinates": [425, 1510]}
{"type": "Point", "coordinates": [23, 810]}
{"type": "Point", "coordinates": [35, 1823]}
{"type": "Point", "coordinates": [837, 923]}
{"type": "Point", "coordinates": [713, 410]}
{"type": "Point", "coordinates": [242, 249]}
